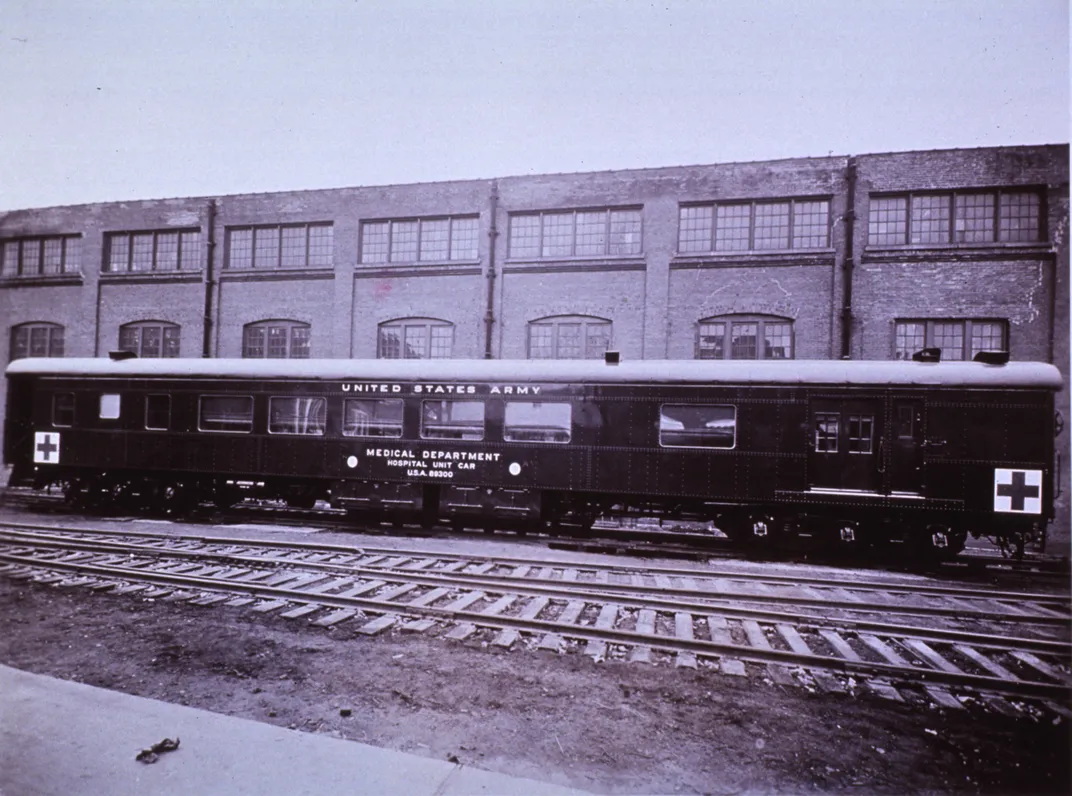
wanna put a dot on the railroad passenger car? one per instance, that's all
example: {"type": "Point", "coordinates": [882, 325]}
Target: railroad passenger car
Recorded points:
{"type": "Point", "coordinates": [848, 452]}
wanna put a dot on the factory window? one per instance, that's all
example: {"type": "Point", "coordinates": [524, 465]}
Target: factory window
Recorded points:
{"type": "Point", "coordinates": [226, 413]}
{"type": "Point", "coordinates": [537, 421]}
{"type": "Point", "coordinates": [697, 426]}
{"type": "Point", "coordinates": [754, 226]}
{"type": "Point", "coordinates": [63, 409]}
{"type": "Point", "coordinates": [452, 420]}
{"type": "Point", "coordinates": [958, 339]}
{"type": "Point", "coordinates": [275, 340]}
{"type": "Point", "coordinates": [972, 216]}
{"type": "Point", "coordinates": [158, 412]}
{"type": "Point", "coordinates": [569, 337]}
{"type": "Point", "coordinates": [420, 240]}
{"type": "Point", "coordinates": [415, 338]}
{"type": "Point", "coordinates": [297, 415]}
{"type": "Point", "coordinates": [372, 417]}
{"type": "Point", "coordinates": [40, 256]}
{"type": "Point", "coordinates": [36, 340]}
{"type": "Point", "coordinates": [150, 339]}
{"type": "Point", "coordinates": [745, 337]}
{"type": "Point", "coordinates": [159, 250]}
{"type": "Point", "coordinates": [281, 246]}
{"type": "Point", "coordinates": [604, 232]}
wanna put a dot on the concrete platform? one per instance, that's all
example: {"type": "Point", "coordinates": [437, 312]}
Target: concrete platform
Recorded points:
{"type": "Point", "coordinates": [59, 737]}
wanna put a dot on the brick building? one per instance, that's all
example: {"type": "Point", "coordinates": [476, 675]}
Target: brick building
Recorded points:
{"type": "Point", "coordinates": [868, 256]}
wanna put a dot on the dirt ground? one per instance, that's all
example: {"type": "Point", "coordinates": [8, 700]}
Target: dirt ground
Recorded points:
{"type": "Point", "coordinates": [606, 727]}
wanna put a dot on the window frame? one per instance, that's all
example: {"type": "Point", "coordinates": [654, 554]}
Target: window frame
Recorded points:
{"type": "Point", "coordinates": [568, 428]}
{"type": "Point", "coordinates": [684, 430]}
{"type": "Point", "coordinates": [739, 319]}
{"type": "Point", "coordinates": [397, 402]}
{"type": "Point", "coordinates": [139, 327]}
{"type": "Point", "coordinates": [22, 266]}
{"type": "Point", "coordinates": [148, 411]}
{"type": "Point", "coordinates": [311, 254]}
{"type": "Point", "coordinates": [316, 429]}
{"type": "Point", "coordinates": [402, 326]}
{"type": "Point", "coordinates": [588, 324]}
{"type": "Point", "coordinates": [457, 231]}
{"type": "Point", "coordinates": [967, 352]}
{"type": "Point", "coordinates": [57, 409]}
{"type": "Point", "coordinates": [201, 414]}
{"type": "Point", "coordinates": [186, 239]}
{"type": "Point", "coordinates": [794, 237]}
{"type": "Point", "coordinates": [54, 340]}
{"type": "Point", "coordinates": [425, 405]}
{"type": "Point", "coordinates": [956, 212]}
{"type": "Point", "coordinates": [610, 246]}
{"type": "Point", "coordinates": [290, 326]}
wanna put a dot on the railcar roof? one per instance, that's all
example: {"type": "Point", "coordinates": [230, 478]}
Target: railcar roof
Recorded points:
{"type": "Point", "coordinates": [793, 371]}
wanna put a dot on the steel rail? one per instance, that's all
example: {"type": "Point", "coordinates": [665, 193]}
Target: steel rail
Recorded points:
{"type": "Point", "coordinates": [898, 674]}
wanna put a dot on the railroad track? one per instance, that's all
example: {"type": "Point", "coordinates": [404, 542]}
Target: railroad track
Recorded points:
{"type": "Point", "coordinates": [831, 634]}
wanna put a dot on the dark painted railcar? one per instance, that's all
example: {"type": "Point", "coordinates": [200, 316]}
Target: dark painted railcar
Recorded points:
{"type": "Point", "coordinates": [847, 452]}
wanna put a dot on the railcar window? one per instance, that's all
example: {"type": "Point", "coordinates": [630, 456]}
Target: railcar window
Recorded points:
{"type": "Point", "coordinates": [452, 419]}
{"type": "Point", "coordinates": [697, 426]}
{"type": "Point", "coordinates": [109, 406]}
{"type": "Point", "coordinates": [826, 432]}
{"type": "Point", "coordinates": [861, 433]}
{"type": "Point", "coordinates": [537, 421]}
{"type": "Point", "coordinates": [226, 413]}
{"type": "Point", "coordinates": [297, 415]}
{"type": "Point", "coordinates": [372, 417]}
{"type": "Point", "coordinates": [63, 409]}
{"type": "Point", "coordinates": [905, 416]}
{"type": "Point", "coordinates": [158, 412]}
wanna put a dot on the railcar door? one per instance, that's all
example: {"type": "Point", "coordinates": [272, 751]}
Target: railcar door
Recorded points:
{"type": "Point", "coordinates": [906, 446]}
{"type": "Point", "coordinates": [844, 446]}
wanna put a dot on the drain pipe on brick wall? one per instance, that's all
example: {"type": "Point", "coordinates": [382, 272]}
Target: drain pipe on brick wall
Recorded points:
{"type": "Point", "coordinates": [493, 235]}
{"type": "Point", "coordinates": [850, 234]}
{"type": "Point", "coordinates": [210, 281]}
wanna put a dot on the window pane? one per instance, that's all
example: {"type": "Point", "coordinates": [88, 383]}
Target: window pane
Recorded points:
{"type": "Point", "coordinates": [731, 230]}
{"type": "Point", "coordinates": [158, 412]}
{"type": "Point", "coordinates": [908, 339]}
{"type": "Point", "coordinates": [321, 245]}
{"type": "Point", "coordinates": [826, 432]}
{"type": "Point", "coordinates": [129, 339]}
{"type": "Point", "coordinates": [464, 238]}
{"type": "Point", "coordinates": [109, 406]}
{"type": "Point", "coordinates": [277, 342]}
{"type": "Point", "coordinates": [150, 341]}
{"type": "Point", "coordinates": [435, 239]}
{"type": "Point", "coordinates": [253, 342]}
{"type": "Point", "coordinates": [226, 413]}
{"type": "Point", "coordinates": [52, 262]}
{"type": "Point", "coordinates": [525, 236]}
{"type": "Point", "coordinates": [378, 417]}
{"type": "Point", "coordinates": [772, 226]}
{"type": "Point", "coordinates": [39, 341]}
{"type": "Point", "coordinates": [240, 251]}
{"type": "Point", "coordinates": [930, 219]}
{"type": "Point", "coordinates": [171, 341]}
{"type": "Point", "coordinates": [118, 252]}
{"type": "Point", "coordinates": [390, 344]}
{"type": "Point", "coordinates": [31, 257]}
{"type": "Point", "coordinates": [537, 421]}
{"type": "Point", "coordinates": [297, 415]}
{"type": "Point", "coordinates": [744, 343]}
{"type": "Point", "coordinates": [167, 251]}
{"type": "Point", "coordinates": [987, 336]}
{"type": "Point", "coordinates": [777, 340]}
{"type": "Point", "coordinates": [697, 426]}
{"type": "Point", "coordinates": [624, 232]}
{"type": "Point", "coordinates": [1018, 217]}
{"type": "Point", "coordinates": [404, 241]}
{"type": "Point", "coordinates": [415, 339]}
{"type": "Point", "coordinates": [374, 240]}
{"type": "Point", "coordinates": [541, 341]}
{"type": "Point", "coordinates": [442, 342]}
{"type": "Point", "coordinates": [20, 342]}
{"type": "Point", "coordinates": [591, 233]}
{"type": "Point", "coordinates": [266, 247]}
{"type": "Point", "coordinates": [949, 336]}
{"type": "Point", "coordinates": [9, 258]}
{"type": "Point", "coordinates": [974, 219]}
{"type": "Point", "coordinates": [142, 252]}
{"type": "Point", "coordinates": [293, 247]}
{"type": "Point", "coordinates": [452, 420]}
{"type": "Point", "coordinates": [598, 340]}
{"type": "Point", "coordinates": [569, 340]}
{"type": "Point", "coordinates": [190, 250]}
{"type": "Point", "coordinates": [712, 344]}
{"type": "Point", "coordinates": [888, 221]}
{"type": "Point", "coordinates": [558, 235]}
{"type": "Point", "coordinates": [55, 341]}
{"type": "Point", "coordinates": [861, 433]}
{"type": "Point", "coordinates": [811, 225]}
{"type": "Point", "coordinates": [299, 342]}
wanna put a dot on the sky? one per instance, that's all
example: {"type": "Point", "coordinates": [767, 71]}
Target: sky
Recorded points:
{"type": "Point", "coordinates": [110, 100]}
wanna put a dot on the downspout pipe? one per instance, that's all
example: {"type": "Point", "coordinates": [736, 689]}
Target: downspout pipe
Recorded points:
{"type": "Point", "coordinates": [849, 263]}
{"type": "Point", "coordinates": [210, 281]}
{"type": "Point", "coordinates": [493, 236]}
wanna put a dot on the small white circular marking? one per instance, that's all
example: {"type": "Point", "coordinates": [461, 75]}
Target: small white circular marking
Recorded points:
{"type": "Point", "coordinates": [515, 468]}
{"type": "Point", "coordinates": [351, 461]}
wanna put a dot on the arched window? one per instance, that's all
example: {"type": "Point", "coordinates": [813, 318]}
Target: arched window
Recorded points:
{"type": "Point", "coordinates": [745, 337]}
{"type": "Point", "coordinates": [36, 340]}
{"type": "Point", "coordinates": [415, 338]}
{"type": "Point", "coordinates": [275, 340]}
{"type": "Point", "coordinates": [150, 339]}
{"type": "Point", "coordinates": [569, 337]}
